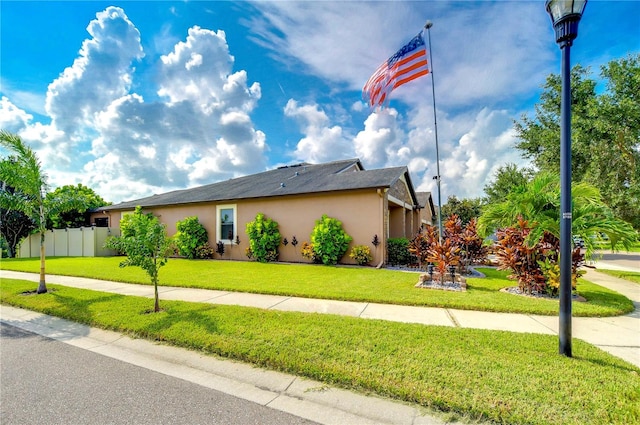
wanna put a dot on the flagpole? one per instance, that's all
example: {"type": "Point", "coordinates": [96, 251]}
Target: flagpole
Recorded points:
{"type": "Point", "coordinates": [428, 26]}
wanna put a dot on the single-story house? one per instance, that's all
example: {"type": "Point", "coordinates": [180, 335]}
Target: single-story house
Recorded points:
{"type": "Point", "coordinates": [371, 204]}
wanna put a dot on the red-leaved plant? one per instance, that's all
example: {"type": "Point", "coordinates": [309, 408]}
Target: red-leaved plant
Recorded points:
{"type": "Point", "coordinates": [534, 267]}
{"type": "Point", "coordinates": [442, 255]}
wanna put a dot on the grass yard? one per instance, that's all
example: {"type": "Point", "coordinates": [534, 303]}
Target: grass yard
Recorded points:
{"type": "Point", "coordinates": [631, 276]}
{"type": "Point", "coordinates": [635, 247]}
{"type": "Point", "coordinates": [473, 374]}
{"type": "Point", "coordinates": [340, 283]}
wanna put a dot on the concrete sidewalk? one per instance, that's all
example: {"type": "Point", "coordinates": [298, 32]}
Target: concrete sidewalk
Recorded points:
{"type": "Point", "coordinates": [312, 400]}
{"type": "Point", "coordinates": [619, 336]}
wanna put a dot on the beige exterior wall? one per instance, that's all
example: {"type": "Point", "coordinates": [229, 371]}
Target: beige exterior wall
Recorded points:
{"type": "Point", "coordinates": [363, 213]}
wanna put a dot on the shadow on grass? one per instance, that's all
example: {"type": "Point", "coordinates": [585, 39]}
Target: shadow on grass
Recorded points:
{"type": "Point", "coordinates": [177, 316]}
{"type": "Point", "coordinates": [612, 362]}
{"type": "Point", "coordinates": [609, 300]}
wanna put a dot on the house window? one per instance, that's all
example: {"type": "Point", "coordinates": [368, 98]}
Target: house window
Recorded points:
{"type": "Point", "coordinates": [226, 218]}
{"type": "Point", "coordinates": [102, 222]}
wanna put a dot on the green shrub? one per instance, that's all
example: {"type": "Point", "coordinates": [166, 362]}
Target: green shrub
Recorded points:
{"type": "Point", "coordinates": [264, 238]}
{"type": "Point", "coordinates": [330, 242]}
{"type": "Point", "coordinates": [204, 251]}
{"type": "Point", "coordinates": [361, 254]}
{"type": "Point", "coordinates": [191, 235]}
{"type": "Point", "coordinates": [398, 251]}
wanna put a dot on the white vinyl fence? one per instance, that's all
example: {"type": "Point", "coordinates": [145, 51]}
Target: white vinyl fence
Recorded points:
{"type": "Point", "coordinates": [80, 242]}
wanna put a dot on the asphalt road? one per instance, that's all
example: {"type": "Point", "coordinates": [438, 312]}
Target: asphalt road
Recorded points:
{"type": "Point", "coordinates": [43, 381]}
{"type": "Point", "coordinates": [625, 260]}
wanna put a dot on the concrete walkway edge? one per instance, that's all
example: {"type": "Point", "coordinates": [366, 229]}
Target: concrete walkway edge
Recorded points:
{"type": "Point", "coordinates": [619, 336]}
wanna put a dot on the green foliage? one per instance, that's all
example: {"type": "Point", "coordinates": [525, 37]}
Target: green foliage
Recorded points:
{"type": "Point", "coordinates": [505, 180]}
{"type": "Point", "coordinates": [465, 209]}
{"type": "Point", "coordinates": [204, 251]}
{"type": "Point", "coordinates": [361, 254]}
{"type": "Point", "coordinates": [264, 238]}
{"type": "Point", "coordinates": [22, 173]}
{"type": "Point", "coordinates": [190, 235]}
{"type": "Point", "coordinates": [398, 252]}
{"type": "Point", "coordinates": [14, 227]}
{"type": "Point", "coordinates": [145, 242]}
{"type": "Point", "coordinates": [68, 206]}
{"type": "Point", "coordinates": [605, 133]}
{"type": "Point", "coordinates": [551, 273]}
{"type": "Point", "coordinates": [539, 204]}
{"type": "Point", "coordinates": [330, 242]}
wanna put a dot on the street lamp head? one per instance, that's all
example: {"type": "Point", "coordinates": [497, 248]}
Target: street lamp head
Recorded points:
{"type": "Point", "coordinates": [565, 15]}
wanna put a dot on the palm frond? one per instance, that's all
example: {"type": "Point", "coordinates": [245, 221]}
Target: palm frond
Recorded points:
{"type": "Point", "coordinates": [22, 171]}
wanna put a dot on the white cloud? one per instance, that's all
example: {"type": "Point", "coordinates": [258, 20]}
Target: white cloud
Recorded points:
{"type": "Point", "coordinates": [485, 57]}
{"type": "Point", "coordinates": [202, 133]}
{"type": "Point", "coordinates": [101, 73]}
{"type": "Point", "coordinates": [380, 139]}
{"type": "Point", "coordinates": [321, 143]}
{"type": "Point", "coordinates": [487, 143]}
{"type": "Point", "coordinates": [12, 118]}
{"type": "Point", "coordinates": [199, 130]}
{"type": "Point", "coordinates": [481, 51]}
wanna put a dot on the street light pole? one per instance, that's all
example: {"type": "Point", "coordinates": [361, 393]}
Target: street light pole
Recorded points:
{"type": "Point", "coordinates": [565, 15]}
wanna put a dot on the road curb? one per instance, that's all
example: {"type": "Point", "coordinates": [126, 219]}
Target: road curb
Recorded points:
{"type": "Point", "coordinates": [302, 397]}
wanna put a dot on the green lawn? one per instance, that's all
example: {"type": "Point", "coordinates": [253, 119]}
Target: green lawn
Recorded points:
{"type": "Point", "coordinates": [635, 247]}
{"type": "Point", "coordinates": [501, 377]}
{"type": "Point", "coordinates": [340, 283]}
{"type": "Point", "coordinates": [632, 276]}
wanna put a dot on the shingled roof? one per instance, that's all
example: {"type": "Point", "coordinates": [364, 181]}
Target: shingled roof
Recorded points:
{"type": "Point", "coordinates": [288, 180]}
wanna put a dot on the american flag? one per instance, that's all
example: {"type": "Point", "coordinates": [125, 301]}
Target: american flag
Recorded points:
{"type": "Point", "coordinates": [407, 64]}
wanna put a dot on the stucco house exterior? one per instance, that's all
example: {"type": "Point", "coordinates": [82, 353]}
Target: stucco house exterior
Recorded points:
{"type": "Point", "coordinates": [369, 203]}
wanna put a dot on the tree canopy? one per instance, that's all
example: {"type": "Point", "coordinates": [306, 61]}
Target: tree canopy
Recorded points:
{"type": "Point", "coordinates": [465, 209]}
{"type": "Point", "coordinates": [82, 198]}
{"type": "Point", "coordinates": [605, 133]}
{"type": "Point", "coordinates": [505, 179]}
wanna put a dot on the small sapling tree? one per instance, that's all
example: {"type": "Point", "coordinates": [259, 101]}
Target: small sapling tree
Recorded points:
{"type": "Point", "coordinates": [145, 242]}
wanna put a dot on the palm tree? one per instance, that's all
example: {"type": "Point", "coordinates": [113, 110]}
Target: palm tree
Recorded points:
{"type": "Point", "coordinates": [538, 202]}
{"type": "Point", "coordinates": [24, 174]}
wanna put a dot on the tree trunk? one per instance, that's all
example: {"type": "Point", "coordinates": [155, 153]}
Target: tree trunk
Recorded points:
{"type": "Point", "coordinates": [155, 290]}
{"type": "Point", "coordinates": [42, 286]}
{"type": "Point", "coordinates": [154, 278]}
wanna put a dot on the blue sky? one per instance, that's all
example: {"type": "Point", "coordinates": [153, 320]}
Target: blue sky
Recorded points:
{"type": "Point", "coordinates": [135, 98]}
